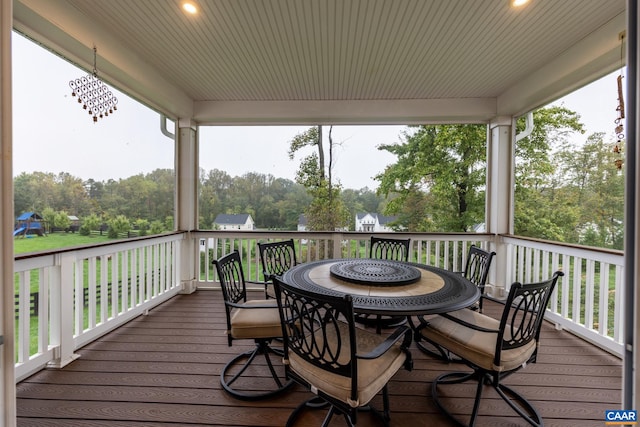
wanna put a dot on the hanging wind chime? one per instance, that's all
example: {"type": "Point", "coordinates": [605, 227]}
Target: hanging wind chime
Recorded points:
{"type": "Point", "coordinates": [93, 94]}
{"type": "Point", "coordinates": [619, 129]}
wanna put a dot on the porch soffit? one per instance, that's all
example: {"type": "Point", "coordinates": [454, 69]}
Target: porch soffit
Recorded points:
{"type": "Point", "coordinates": [335, 61]}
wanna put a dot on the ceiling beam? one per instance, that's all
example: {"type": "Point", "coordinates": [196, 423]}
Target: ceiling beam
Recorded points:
{"type": "Point", "coordinates": [388, 112]}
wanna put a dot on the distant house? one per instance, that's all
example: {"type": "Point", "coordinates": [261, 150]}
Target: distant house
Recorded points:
{"type": "Point", "coordinates": [373, 222]}
{"type": "Point", "coordinates": [234, 222]}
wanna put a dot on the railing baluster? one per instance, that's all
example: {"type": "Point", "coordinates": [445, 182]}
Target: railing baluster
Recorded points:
{"type": "Point", "coordinates": [24, 316]}
{"type": "Point", "coordinates": [589, 291]}
{"type": "Point", "coordinates": [91, 303]}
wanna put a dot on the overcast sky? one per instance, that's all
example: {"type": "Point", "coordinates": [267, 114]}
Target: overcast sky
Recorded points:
{"type": "Point", "coordinates": [52, 133]}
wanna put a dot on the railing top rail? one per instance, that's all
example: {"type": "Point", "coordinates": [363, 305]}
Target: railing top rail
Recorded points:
{"type": "Point", "coordinates": [351, 234]}
{"type": "Point", "coordinates": [588, 252]}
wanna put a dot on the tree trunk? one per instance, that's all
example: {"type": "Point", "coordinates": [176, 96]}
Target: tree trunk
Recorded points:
{"type": "Point", "coordinates": [320, 153]}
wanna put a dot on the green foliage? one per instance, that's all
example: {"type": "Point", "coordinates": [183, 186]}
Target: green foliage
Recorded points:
{"type": "Point", "coordinates": [117, 225]}
{"type": "Point", "coordinates": [49, 216]}
{"type": "Point", "coordinates": [143, 226]}
{"type": "Point", "coordinates": [62, 221]}
{"type": "Point", "coordinates": [437, 182]}
{"type": "Point", "coordinates": [89, 224]}
{"type": "Point", "coordinates": [598, 187]}
{"type": "Point", "coordinates": [156, 227]}
{"type": "Point", "coordinates": [544, 207]}
{"type": "Point", "coordinates": [326, 212]}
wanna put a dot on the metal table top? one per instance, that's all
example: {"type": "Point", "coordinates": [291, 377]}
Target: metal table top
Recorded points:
{"type": "Point", "coordinates": [435, 290]}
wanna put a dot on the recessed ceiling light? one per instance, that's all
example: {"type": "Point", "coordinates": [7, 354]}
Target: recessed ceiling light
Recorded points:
{"type": "Point", "coordinates": [190, 7]}
{"type": "Point", "coordinates": [518, 3]}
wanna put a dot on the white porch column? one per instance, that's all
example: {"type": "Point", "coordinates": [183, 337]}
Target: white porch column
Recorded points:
{"type": "Point", "coordinates": [187, 199]}
{"type": "Point", "coordinates": [7, 374]}
{"type": "Point", "coordinates": [499, 198]}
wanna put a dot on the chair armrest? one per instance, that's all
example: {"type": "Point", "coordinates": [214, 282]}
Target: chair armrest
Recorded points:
{"type": "Point", "coordinates": [402, 332]}
{"type": "Point", "coordinates": [251, 307]}
{"type": "Point", "coordinates": [258, 282]}
{"type": "Point", "coordinates": [467, 324]}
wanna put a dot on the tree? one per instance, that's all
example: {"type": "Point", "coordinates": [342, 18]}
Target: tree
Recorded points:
{"type": "Point", "coordinates": [117, 225]}
{"type": "Point", "coordinates": [157, 227]}
{"type": "Point", "coordinates": [543, 205]}
{"type": "Point", "coordinates": [597, 187]}
{"type": "Point", "coordinates": [89, 224]}
{"type": "Point", "coordinates": [71, 195]}
{"type": "Point", "coordinates": [437, 182]}
{"type": "Point", "coordinates": [143, 226]}
{"type": "Point", "coordinates": [326, 210]}
{"type": "Point", "coordinates": [213, 195]}
{"type": "Point", "coordinates": [49, 216]}
{"type": "Point", "coordinates": [62, 221]}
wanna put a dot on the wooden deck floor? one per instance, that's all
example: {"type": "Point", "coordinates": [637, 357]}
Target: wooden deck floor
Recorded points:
{"type": "Point", "coordinates": [163, 370]}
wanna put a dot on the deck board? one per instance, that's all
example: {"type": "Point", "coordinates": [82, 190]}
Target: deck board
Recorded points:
{"type": "Point", "coordinates": [163, 369]}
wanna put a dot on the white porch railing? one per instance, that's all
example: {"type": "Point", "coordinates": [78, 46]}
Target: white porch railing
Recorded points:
{"type": "Point", "coordinates": [68, 298]}
{"type": "Point", "coordinates": [588, 299]}
{"type": "Point", "coordinates": [447, 250]}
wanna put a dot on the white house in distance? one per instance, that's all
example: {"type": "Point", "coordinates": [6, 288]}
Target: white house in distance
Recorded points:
{"type": "Point", "coordinates": [234, 222]}
{"type": "Point", "coordinates": [373, 222]}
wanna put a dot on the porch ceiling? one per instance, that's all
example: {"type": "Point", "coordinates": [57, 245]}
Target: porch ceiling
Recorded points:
{"type": "Point", "coordinates": [335, 61]}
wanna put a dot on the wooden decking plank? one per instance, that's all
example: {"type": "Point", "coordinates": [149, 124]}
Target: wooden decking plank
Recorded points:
{"type": "Point", "coordinates": [163, 369]}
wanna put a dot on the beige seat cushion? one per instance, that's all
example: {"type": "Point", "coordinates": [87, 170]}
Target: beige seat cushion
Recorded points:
{"type": "Point", "coordinates": [476, 346]}
{"type": "Point", "coordinates": [373, 374]}
{"type": "Point", "coordinates": [252, 323]}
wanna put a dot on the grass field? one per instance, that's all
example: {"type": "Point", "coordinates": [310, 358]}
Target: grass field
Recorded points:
{"type": "Point", "coordinates": [54, 241]}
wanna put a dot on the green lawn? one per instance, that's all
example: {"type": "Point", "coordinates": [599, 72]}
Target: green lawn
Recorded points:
{"type": "Point", "coordinates": [54, 241]}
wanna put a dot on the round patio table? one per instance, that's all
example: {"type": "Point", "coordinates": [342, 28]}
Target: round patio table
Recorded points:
{"type": "Point", "coordinates": [386, 287]}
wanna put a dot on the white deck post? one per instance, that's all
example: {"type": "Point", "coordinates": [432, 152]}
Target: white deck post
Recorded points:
{"type": "Point", "coordinates": [7, 373]}
{"type": "Point", "coordinates": [499, 198]}
{"type": "Point", "coordinates": [62, 311]}
{"type": "Point", "coordinates": [187, 199]}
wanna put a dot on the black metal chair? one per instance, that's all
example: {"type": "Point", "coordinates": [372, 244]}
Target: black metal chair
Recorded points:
{"type": "Point", "coordinates": [389, 249]}
{"type": "Point", "coordinates": [493, 348]}
{"type": "Point", "coordinates": [276, 258]}
{"type": "Point", "coordinates": [325, 352]}
{"type": "Point", "coordinates": [477, 268]}
{"type": "Point", "coordinates": [258, 320]}
{"type": "Point", "coordinates": [392, 249]}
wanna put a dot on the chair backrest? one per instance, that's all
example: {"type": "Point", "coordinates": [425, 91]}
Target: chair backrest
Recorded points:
{"type": "Point", "coordinates": [319, 329]}
{"type": "Point", "coordinates": [523, 314]}
{"type": "Point", "coordinates": [476, 269]}
{"type": "Point", "coordinates": [229, 268]}
{"type": "Point", "coordinates": [391, 249]}
{"type": "Point", "coordinates": [277, 257]}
